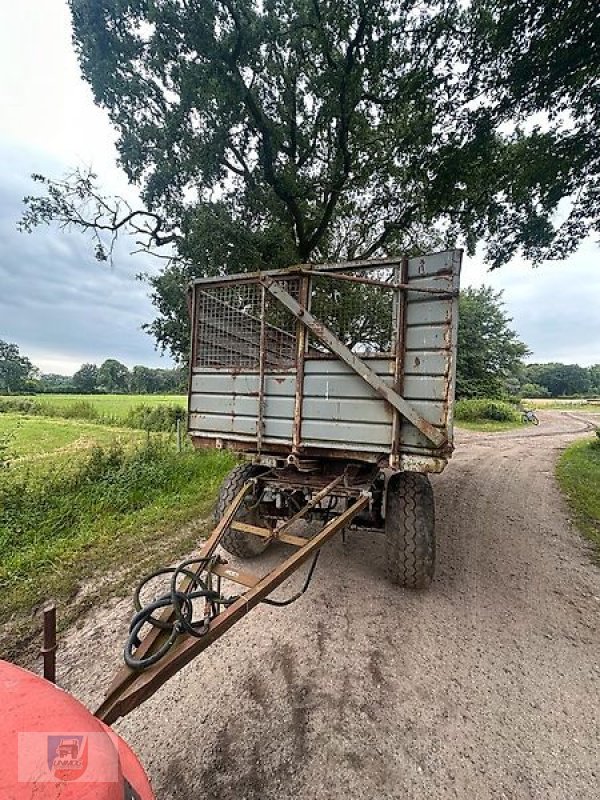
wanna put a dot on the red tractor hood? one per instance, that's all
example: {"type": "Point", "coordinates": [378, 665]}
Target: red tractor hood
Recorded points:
{"type": "Point", "coordinates": [52, 747]}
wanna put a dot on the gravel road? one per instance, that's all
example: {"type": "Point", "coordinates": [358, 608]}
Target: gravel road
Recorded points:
{"type": "Point", "coordinates": [486, 686]}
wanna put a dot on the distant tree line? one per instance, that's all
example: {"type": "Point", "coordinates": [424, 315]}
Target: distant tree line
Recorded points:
{"type": "Point", "coordinates": [19, 375]}
{"type": "Point", "coordinates": [559, 380]}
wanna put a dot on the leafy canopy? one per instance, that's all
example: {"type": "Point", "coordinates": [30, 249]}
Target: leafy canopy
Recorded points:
{"type": "Point", "coordinates": [266, 132]}
{"type": "Point", "coordinates": [16, 371]}
{"type": "Point", "coordinates": [563, 379]}
{"type": "Point", "coordinates": [489, 352]}
{"type": "Point", "coordinates": [113, 376]}
{"type": "Point", "coordinates": [86, 378]}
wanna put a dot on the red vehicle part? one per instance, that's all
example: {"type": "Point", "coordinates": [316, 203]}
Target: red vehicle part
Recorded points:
{"type": "Point", "coordinates": [35, 714]}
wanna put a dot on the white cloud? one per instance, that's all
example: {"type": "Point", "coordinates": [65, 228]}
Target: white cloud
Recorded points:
{"type": "Point", "coordinates": [555, 307]}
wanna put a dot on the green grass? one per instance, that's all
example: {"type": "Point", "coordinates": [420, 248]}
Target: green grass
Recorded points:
{"type": "Point", "coordinates": [489, 426]}
{"type": "Point", "coordinates": [116, 405]}
{"type": "Point", "coordinates": [578, 473]}
{"type": "Point", "coordinates": [565, 405]}
{"type": "Point", "coordinates": [37, 438]}
{"type": "Point", "coordinates": [110, 516]}
{"type": "Point", "coordinates": [78, 499]}
{"type": "Point", "coordinates": [487, 414]}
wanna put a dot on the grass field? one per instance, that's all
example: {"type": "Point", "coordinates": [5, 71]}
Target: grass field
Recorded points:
{"type": "Point", "coordinates": [556, 404]}
{"type": "Point", "coordinates": [486, 414]}
{"type": "Point", "coordinates": [488, 425]}
{"type": "Point", "coordinates": [116, 405]}
{"type": "Point", "coordinates": [578, 473]}
{"type": "Point", "coordinates": [28, 439]}
{"type": "Point", "coordinates": [84, 502]}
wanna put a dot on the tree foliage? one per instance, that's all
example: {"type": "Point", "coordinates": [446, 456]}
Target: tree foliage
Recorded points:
{"type": "Point", "coordinates": [266, 133]}
{"type": "Point", "coordinates": [113, 376]}
{"type": "Point", "coordinates": [539, 66]}
{"type": "Point", "coordinates": [558, 379]}
{"type": "Point", "coordinates": [489, 352]}
{"type": "Point", "coordinates": [145, 380]}
{"type": "Point", "coordinates": [86, 378]}
{"type": "Point", "coordinates": [16, 371]}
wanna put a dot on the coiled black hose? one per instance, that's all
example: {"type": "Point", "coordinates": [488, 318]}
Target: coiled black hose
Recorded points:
{"type": "Point", "coordinates": [182, 605]}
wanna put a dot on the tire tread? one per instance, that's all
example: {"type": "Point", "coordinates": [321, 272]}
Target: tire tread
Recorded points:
{"type": "Point", "coordinates": [410, 531]}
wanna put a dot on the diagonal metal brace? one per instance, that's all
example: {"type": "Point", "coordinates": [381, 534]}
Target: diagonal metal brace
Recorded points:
{"type": "Point", "coordinates": [354, 362]}
{"type": "Point", "coordinates": [131, 688]}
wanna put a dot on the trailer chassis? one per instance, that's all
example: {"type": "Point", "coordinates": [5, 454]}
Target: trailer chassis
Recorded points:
{"type": "Point", "coordinates": [131, 687]}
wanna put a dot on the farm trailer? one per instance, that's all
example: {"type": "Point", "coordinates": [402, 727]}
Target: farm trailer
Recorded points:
{"type": "Point", "coordinates": [336, 383]}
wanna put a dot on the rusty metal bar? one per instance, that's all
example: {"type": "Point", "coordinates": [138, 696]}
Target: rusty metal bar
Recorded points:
{"type": "Point", "coordinates": [224, 570]}
{"type": "Point", "coordinates": [402, 284]}
{"type": "Point", "coordinates": [295, 271]}
{"type": "Point", "coordinates": [312, 502]}
{"type": "Point", "coordinates": [300, 361]}
{"type": "Point", "coordinates": [262, 355]}
{"type": "Point", "coordinates": [265, 533]}
{"type": "Point", "coordinates": [49, 648]}
{"type": "Point", "coordinates": [399, 358]}
{"type": "Point", "coordinates": [155, 635]}
{"type": "Point", "coordinates": [131, 688]}
{"type": "Point", "coordinates": [354, 362]}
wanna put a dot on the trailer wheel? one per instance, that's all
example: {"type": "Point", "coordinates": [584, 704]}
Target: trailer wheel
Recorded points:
{"type": "Point", "coordinates": [410, 530]}
{"type": "Point", "coordinates": [244, 545]}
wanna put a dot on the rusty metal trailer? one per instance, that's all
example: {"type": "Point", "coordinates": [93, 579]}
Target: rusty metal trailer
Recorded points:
{"type": "Point", "coordinates": [336, 384]}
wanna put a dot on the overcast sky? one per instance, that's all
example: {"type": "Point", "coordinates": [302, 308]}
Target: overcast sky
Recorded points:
{"type": "Point", "coordinates": [62, 307]}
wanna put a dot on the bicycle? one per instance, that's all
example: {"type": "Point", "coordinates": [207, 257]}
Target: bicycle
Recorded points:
{"type": "Point", "coordinates": [529, 417]}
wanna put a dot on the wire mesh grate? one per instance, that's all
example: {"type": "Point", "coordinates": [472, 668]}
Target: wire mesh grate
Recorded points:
{"type": "Point", "coordinates": [228, 327]}
{"type": "Point", "coordinates": [361, 315]}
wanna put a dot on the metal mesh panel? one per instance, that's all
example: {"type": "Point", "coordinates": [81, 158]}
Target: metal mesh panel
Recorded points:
{"type": "Point", "coordinates": [280, 328]}
{"type": "Point", "coordinates": [361, 315]}
{"type": "Point", "coordinates": [228, 327]}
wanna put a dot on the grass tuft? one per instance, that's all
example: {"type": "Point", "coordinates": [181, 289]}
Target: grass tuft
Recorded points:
{"type": "Point", "coordinates": [483, 414]}
{"type": "Point", "coordinates": [87, 517]}
{"type": "Point", "coordinates": [578, 473]}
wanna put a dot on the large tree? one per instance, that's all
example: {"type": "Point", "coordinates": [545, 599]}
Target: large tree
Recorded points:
{"type": "Point", "coordinates": [15, 370]}
{"type": "Point", "coordinates": [113, 376]}
{"type": "Point", "coordinates": [489, 352]}
{"type": "Point", "coordinates": [538, 66]}
{"type": "Point", "coordinates": [561, 379]}
{"type": "Point", "coordinates": [263, 133]}
{"type": "Point", "coordinates": [86, 378]}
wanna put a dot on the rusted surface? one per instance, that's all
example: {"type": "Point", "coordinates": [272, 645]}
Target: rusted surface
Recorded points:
{"type": "Point", "coordinates": [224, 570]}
{"type": "Point", "coordinates": [131, 688]}
{"type": "Point", "coordinates": [399, 358]}
{"type": "Point", "coordinates": [260, 423]}
{"type": "Point", "coordinates": [49, 648]}
{"type": "Point", "coordinates": [281, 449]}
{"type": "Point", "coordinates": [265, 533]}
{"type": "Point", "coordinates": [354, 362]}
{"type": "Point", "coordinates": [402, 284]}
{"type": "Point", "coordinates": [281, 403]}
{"type": "Point", "coordinates": [300, 361]}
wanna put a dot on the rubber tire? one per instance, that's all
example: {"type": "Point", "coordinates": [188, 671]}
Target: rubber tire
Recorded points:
{"type": "Point", "coordinates": [243, 545]}
{"type": "Point", "coordinates": [410, 530]}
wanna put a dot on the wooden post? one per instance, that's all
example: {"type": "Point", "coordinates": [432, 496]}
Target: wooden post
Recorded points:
{"type": "Point", "coordinates": [49, 649]}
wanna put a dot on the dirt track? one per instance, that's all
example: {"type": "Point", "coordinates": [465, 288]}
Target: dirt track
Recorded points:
{"type": "Point", "coordinates": [487, 686]}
